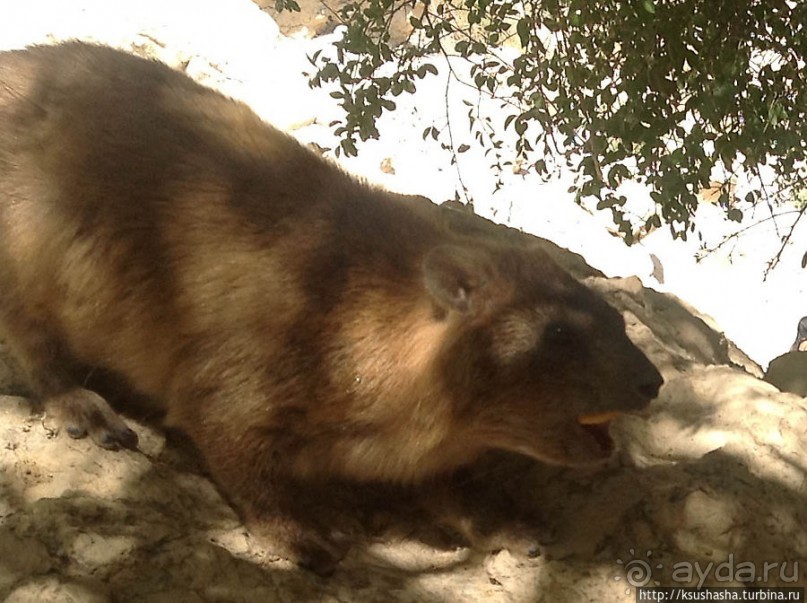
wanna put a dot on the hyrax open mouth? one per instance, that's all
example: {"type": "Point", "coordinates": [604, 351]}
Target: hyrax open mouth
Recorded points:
{"type": "Point", "coordinates": [597, 425]}
{"type": "Point", "coordinates": [598, 418]}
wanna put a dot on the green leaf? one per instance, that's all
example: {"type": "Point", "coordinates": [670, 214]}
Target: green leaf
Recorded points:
{"type": "Point", "coordinates": [669, 99]}
{"type": "Point", "coordinates": [521, 127]}
{"type": "Point", "coordinates": [349, 147]}
{"type": "Point", "coordinates": [523, 31]}
{"type": "Point", "coordinates": [281, 5]}
{"type": "Point", "coordinates": [734, 214]}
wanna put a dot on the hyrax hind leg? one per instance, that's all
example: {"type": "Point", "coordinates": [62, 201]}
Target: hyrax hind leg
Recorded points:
{"type": "Point", "coordinates": [52, 375]}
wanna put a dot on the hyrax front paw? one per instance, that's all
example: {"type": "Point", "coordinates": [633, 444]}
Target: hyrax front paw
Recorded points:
{"type": "Point", "coordinates": [81, 412]}
{"type": "Point", "coordinates": [303, 545]}
{"type": "Point", "coordinates": [319, 555]}
{"type": "Point", "coordinates": [522, 539]}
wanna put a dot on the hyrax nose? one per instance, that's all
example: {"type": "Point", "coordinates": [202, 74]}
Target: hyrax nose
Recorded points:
{"type": "Point", "coordinates": [649, 388]}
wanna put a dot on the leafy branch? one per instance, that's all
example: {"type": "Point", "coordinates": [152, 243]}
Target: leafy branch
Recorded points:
{"type": "Point", "coordinates": [669, 93]}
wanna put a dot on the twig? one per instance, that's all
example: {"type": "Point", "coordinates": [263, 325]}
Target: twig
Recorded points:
{"type": "Point", "coordinates": [777, 258]}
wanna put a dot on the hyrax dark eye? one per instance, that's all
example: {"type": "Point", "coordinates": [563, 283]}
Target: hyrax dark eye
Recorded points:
{"type": "Point", "coordinates": [559, 334]}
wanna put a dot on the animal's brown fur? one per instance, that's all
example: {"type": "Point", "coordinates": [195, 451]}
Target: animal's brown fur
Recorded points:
{"type": "Point", "coordinates": [297, 324]}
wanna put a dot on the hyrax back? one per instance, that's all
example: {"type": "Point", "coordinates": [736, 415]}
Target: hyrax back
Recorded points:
{"type": "Point", "coordinates": [299, 325]}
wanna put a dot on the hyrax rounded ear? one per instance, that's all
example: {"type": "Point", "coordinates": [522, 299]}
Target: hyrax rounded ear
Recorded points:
{"type": "Point", "coordinates": [456, 277]}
